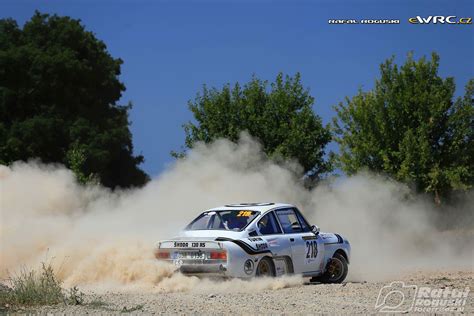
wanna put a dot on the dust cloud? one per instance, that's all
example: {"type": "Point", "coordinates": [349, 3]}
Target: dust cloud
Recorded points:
{"type": "Point", "coordinates": [103, 240]}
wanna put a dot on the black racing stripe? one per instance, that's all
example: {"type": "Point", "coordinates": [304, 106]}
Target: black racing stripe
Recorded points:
{"type": "Point", "coordinates": [223, 239]}
{"type": "Point", "coordinates": [246, 247]}
{"type": "Point", "coordinates": [340, 240]}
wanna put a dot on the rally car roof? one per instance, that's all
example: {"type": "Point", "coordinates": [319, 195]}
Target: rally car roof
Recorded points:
{"type": "Point", "coordinates": [262, 206]}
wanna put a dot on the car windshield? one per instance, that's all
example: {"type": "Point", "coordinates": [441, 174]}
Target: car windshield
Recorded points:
{"type": "Point", "coordinates": [235, 220]}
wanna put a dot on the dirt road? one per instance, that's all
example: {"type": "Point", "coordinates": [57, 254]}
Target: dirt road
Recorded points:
{"type": "Point", "coordinates": [349, 297]}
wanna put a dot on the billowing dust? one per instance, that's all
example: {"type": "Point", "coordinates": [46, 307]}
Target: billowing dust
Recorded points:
{"type": "Point", "coordinates": [103, 240]}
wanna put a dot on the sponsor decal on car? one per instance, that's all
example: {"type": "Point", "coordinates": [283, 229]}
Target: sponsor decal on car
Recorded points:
{"type": "Point", "coordinates": [262, 246]}
{"type": "Point", "coordinates": [273, 242]}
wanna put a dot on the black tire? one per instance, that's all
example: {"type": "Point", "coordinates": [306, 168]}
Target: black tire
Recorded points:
{"type": "Point", "coordinates": [336, 270]}
{"type": "Point", "coordinates": [265, 268]}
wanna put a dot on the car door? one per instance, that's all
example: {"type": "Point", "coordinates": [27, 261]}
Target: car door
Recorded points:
{"type": "Point", "coordinates": [306, 247]}
{"type": "Point", "coordinates": [270, 231]}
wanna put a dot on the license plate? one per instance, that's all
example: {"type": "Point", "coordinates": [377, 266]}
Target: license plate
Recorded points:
{"type": "Point", "coordinates": [189, 244]}
{"type": "Point", "coordinates": [190, 255]}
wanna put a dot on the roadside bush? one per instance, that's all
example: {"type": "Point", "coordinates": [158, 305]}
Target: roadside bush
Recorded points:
{"type": "Point", "coordinates": [33, 288]}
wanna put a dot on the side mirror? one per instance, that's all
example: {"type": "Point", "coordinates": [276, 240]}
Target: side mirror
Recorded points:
{"type": "Point", "coordinates": [315, 229]}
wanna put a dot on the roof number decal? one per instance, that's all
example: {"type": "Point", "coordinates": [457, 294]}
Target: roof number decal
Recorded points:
{"type": "Point", "coordinates": [244, 214]}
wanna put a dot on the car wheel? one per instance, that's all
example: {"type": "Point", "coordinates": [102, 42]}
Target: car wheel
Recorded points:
{"type": "Point", "coordinates": [265, 268]}
{"type": "Point", "coordinates": [336, 270]}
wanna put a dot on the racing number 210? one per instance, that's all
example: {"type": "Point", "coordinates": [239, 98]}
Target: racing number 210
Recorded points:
{"type": "Point", "coordinates": [311, 249]}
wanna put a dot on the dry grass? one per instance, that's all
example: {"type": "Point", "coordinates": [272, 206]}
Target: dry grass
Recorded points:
{"type": "Point", "coordinates": [34, 288]}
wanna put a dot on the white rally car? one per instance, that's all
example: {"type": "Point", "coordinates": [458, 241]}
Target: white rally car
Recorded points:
{"type": "Point", "coordinates": [256, 239]}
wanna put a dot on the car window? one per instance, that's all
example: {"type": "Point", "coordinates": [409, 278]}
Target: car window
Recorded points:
{"type": "Point", "coordinates": [289, 221]}
{"type": "Point", "coordinates": [223, 220]}
{"type": "Point", "coordinates": [268, 225]}
{"type": "Point", "coordinates": [304, 224]}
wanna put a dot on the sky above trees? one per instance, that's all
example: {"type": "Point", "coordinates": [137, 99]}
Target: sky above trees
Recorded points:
{"type": "Point", "coordinates": [170, 49]}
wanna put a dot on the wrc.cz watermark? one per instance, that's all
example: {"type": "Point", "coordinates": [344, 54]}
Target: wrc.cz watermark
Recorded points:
{"type": "Point", "coordinates": [398, 297]}
{"type": "Point", "coordinates": [431, 19]}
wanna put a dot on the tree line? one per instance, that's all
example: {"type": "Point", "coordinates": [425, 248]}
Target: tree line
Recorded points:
{"type": "Point", "coordinates": [59, 89]}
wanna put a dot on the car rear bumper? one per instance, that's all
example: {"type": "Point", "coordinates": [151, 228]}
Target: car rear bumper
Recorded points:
{"type": "Point", "coordinates": [200, 267]}
{"type": "Point", "coordinates": [203, 269]}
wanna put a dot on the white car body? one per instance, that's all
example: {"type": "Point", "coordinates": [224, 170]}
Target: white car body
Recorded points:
{"type": "Point", "coordinates": [306, 251]}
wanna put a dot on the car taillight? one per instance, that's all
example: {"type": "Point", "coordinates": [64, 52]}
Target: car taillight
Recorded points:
{"type": "Point", "coordinates": [162, 254]}
{"type": "Point", "coordinates": [219, 255]}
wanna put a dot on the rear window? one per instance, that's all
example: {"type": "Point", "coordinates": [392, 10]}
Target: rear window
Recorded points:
{"type": "Point", "coordinates": [235, 220]}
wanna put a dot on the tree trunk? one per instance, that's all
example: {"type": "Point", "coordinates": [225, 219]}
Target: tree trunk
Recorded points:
{"type": "Point", "coordinates": [437, 198]}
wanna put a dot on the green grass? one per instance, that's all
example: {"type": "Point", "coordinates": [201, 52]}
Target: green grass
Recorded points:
{"type": "Point", "coordinates": [35, 288]}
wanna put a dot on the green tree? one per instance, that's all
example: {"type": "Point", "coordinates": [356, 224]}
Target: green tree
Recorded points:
{"type": "Point", "coordinates": [279, 115]}
{"type": "Point", "coordinates": [410, 127]}
{"type": "Point", "coordinates": [58, 92]}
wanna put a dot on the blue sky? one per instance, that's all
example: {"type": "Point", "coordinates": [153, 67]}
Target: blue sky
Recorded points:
{"type": "Point", "coordinates": [171, 48]}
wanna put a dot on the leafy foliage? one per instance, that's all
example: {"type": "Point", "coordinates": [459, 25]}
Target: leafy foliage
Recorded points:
{"type": "Point", "coordinates": [410, 127]}
{"type": "Point", "coordinates": [76, 159]}
{"type": "Point", "coordinates": [279, 115]}
{"type": "Point", "coordinates": [58, 92]}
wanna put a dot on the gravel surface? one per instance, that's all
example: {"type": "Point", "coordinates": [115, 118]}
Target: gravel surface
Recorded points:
{"type": "Point", "coordinates": [347, 298]}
